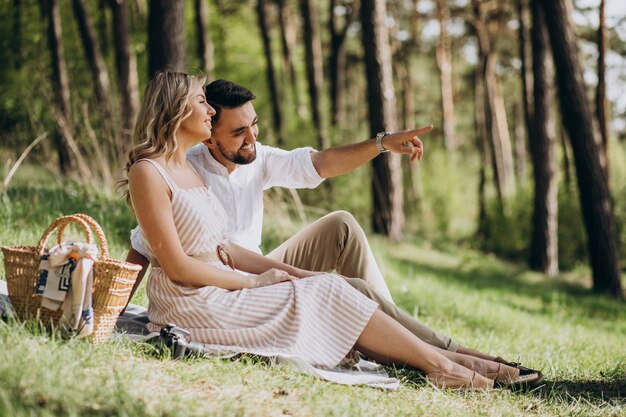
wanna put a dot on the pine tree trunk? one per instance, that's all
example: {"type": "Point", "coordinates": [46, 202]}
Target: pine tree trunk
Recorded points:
{"type": "Point", "coordinates": [388, 217]}
{"type": "Point", "coordinates": [543, 245]}
{"type": "Point", "coordinates": [601, 103]}
{"type": "Point", "coordinates": [579, 120]}
{"type": "Point", "coordinates": [315, 77]}
{"type": "Point", "coordinates": [481, 144]}
{"type": "Point", "coordinates": [527, 103]}
{"type": "Point", "coordinates": [337, 60]}
{"type": "Point", "coordinates": [60, 85]}
{"type": "Point", "coordinates": [271, 74]}
{"type": "Point", "coordinates": [166, 36]}
{"type": "Point", "coordinates": [444, 63]}
{"type": "Point", "coordinates": [126, 68]}
{"type": "Point", "coordinates": [288, 42]}
{"type": "Point", "coordinates": [203, 36]}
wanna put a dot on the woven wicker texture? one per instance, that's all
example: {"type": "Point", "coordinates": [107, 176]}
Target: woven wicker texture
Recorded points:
{"type": "Point", "coordinates": [112, 283]}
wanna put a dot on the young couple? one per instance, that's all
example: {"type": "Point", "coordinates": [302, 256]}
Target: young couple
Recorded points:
{"type": "Point", "coordinates": [200, 215]}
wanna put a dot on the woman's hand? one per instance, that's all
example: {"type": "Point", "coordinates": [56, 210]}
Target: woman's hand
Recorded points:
{"type": "Point", "coordinates": [303, 273]}
{"type": "Point", "coordinates": [273, 276]}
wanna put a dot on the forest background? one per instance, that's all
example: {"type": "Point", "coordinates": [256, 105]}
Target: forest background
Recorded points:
{"type": "Point", "coordinates": [508, 235]}
{"type": "Point", "coordinates": [500, 172]}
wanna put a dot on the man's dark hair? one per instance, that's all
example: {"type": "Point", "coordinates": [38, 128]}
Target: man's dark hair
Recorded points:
{"type": "Point", "coordinates": [224, 93]}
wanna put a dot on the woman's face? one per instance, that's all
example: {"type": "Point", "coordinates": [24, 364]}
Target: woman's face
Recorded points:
{"type": "Point", "coordinates": [198, 124]}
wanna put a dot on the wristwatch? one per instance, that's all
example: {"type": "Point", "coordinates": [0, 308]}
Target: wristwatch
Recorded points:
{"type": "Point", "coordinates": [379, 141]}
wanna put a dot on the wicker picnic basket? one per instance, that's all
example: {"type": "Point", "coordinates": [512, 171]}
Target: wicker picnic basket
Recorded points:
{"type": "Point", "coordinates": [112, 280]}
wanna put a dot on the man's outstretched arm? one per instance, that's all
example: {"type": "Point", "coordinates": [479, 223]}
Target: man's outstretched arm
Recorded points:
{"type": "Point", "coordinates": [339, 160]}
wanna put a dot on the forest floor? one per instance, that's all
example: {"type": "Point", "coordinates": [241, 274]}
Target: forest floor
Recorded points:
{"type": "Point", "coordinates": [578, 339]}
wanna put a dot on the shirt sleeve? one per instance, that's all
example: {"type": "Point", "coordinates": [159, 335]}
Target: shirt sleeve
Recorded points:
{"type": "Point", "coordinates": [138, 243]}
{"type": "Point", "coordinates": [291, 169]}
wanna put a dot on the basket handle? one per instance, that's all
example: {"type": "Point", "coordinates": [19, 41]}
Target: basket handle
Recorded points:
{"type": "Point", "coordinates": [96, 229]}
{"type": "Point", "coordinates": [61, 223]}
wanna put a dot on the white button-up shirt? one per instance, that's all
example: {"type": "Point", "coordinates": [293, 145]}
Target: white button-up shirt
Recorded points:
{"type": "Point", "coordinates": [241, 191]}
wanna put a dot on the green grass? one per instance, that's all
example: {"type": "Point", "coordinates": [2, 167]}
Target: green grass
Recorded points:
{"type": "Point", "coordinates": [577, 338]}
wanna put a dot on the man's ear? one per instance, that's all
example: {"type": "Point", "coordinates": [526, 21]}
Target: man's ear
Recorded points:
{"type": "Point", "coordinates": [209, 143]}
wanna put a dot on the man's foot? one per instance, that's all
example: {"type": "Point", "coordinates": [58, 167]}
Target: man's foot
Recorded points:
{"type": "Point", "coordinates": [524, 372]}
{"type": "Point", "coordinates": [510, 377]}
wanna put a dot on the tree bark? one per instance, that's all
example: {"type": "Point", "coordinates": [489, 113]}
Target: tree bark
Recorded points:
{"type": "Point", "coordinates": [126, 68]}
{"type": "Point", "coordinates": [17, 34]}
{"type": "Point", "coordinates": [103, 27]}
{"type": "Point", "coordinates": [166, 36]}
{"type": "Point", "coordinates": [271, 73]}
{"type": "Point", "coordinates": [444, 63]}
{"type": "Point", "coordinates": [544, 241]}
{"type": "Point", "coordinates": [204, 43]}
{"type": "Point", "coordinates": [315, 77]}
{"type": "Point", "coordinates": [527, 103]}
{"type": "Point", "coordinates": [387, 218]}
{"type": "Point", "coordinates": [601, 102]}
{"type": "Point", "coordinates": [60, 85]}
{"type": "Point", "coordinates": [337, 59]}
{"type": "Point", "coordinates": [495, 114]}
{"type": "Point", "coordinates": [579, 121]}
{"type": "Point", "coordinates": [97, 67]}
{"type": "Point", "coordinates": [481, 144]}
{"type": "Point", "coordinates": [288, 42]}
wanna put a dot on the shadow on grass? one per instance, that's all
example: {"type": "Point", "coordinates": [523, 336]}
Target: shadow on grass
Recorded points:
{"type": "Point", "coordinates": [593, 391]}
{"type": "Point", "coordinates": [554, 293]}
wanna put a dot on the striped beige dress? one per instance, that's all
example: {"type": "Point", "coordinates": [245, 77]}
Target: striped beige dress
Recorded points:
{"type": "Point", "coordinates": [315, 319]}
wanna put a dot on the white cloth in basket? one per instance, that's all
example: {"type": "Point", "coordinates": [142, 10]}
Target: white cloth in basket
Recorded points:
{"type": "Point", "coordinates": [66, 280]}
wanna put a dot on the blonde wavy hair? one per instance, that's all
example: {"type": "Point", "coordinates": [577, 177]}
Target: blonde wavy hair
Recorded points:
{"type": "Point", "coordinates": [166, 103]}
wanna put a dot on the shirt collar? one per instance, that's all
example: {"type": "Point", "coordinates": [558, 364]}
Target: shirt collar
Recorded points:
{"type": "Point", "coordinates": [213, 163]}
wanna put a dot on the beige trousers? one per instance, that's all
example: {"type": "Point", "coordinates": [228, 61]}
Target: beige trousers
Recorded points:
{"type": "Point", "coordinates": [336, 242]}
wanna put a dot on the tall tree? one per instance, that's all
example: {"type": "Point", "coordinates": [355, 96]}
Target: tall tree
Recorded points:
{"type": "Point", "coordinates": [527, 104]}
{"type": "Point", "coordinates": [166, 36]}
{"type": "Point", "coordinates": [388, 217]}
{"type": "Point", "coordinates": [495, 114]}
{"type": "Point", "coordinates": [126, 67]}
{"type": "Point", "coordinates": [288, 43]}
{"type": "Point", "coordinates": [204, 42]}
{"type": "Point", "coordinates": [61, 87]}
{"type": "Point", "coordinates": [97, 67]}
{"type": "Point", "coordinates": [543, 245]}
{"type": "Point", "coordinates": [17, 34]}
{"type": "Point", "coordinates": [337, 57]}
{"type": "Point", "coordinates": [314, 71]}
{"type": "Point", "coordinates": [271, 73]}
{"type": "Point", "coordinates": [601, 102]}
{"type": "Point", "coordinates": [444, 62]}
{"type": "Point", "coordinates": [580, 123]}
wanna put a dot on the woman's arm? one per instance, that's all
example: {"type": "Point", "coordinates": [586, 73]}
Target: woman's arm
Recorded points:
{"type": "Point", "coordinates": [249, 261]}
{"type": "Point", "coordinates": [151, 200]}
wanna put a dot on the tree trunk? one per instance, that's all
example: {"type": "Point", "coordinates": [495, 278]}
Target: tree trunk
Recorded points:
{"type": "Point", "coordinates": [593, 185]}
{"type": "Point", "coordinates": [103, 27]}
{"type": "Point", "coordinates": [271, 74]}
{"type": "Point", "coordinates": [337, 59]}
{"type": "Point", "coordinates": [166, 36]}
{"type": "Point", "coordinates": [313, 48]}
{"type": "Point", "coordinates": [387, 218]}
{"type": "Point", "coordinates": [60, 85]}
{"type": "Point", "coordinates": [288, 42]}
{"type": "Point", "coordinates": [444, 63]}
{"type": "Point", "coordinates": [543, 245]}
{"type": "Point", "coordinates": [205, 45]}
{"type": "Point", "coordinates": [527, 103]}
{"type": "Point", "coordinates": [126, 68]}
{"type": "Point", "coordinates": [481, 143]}
{"type": "Point", "coordinates": [601, 103]}
{"type": "Point", "coordinates": [97, 67]}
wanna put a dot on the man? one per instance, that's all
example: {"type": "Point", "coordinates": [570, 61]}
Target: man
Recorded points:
{"type": "Point", "coordinates": [238, 169]}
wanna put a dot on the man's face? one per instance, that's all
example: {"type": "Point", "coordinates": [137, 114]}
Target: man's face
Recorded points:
{"type": "Point", "coordinates": [234, 136]}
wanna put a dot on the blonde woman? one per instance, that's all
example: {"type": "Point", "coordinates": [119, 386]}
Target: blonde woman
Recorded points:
{"type": "Point", "coordinates": [263, 306]}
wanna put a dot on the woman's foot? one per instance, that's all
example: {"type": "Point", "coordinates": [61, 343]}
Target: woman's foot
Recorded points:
{"type": "Point", "coordinates": [508, 376]}
{"type": "Point", "coordinates": [446, 381]}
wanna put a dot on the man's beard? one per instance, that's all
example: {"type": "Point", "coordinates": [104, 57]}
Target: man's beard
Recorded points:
{"type": "Point", "coordinates": [236, 157]}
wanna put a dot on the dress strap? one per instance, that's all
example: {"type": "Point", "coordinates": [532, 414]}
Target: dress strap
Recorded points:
{"type": "Point", "coordinates": [166, 176]}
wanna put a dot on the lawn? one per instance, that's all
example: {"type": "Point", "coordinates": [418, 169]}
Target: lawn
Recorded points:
{"type": "Point", "coordinates": [578, 339]}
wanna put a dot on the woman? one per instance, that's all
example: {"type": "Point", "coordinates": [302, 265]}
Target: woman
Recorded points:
{"type": "Point", "coordinates": [274, 309]}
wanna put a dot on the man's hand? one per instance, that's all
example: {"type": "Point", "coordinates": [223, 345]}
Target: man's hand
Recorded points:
{"type": "Point", "coordinates": [272, 276]}
{"type": "Point", "coordinates": [407, 142]}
